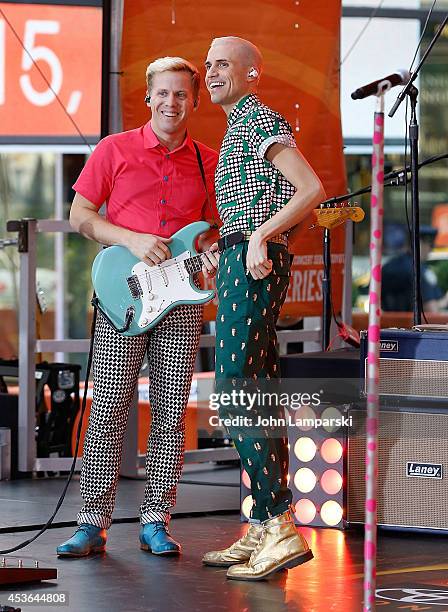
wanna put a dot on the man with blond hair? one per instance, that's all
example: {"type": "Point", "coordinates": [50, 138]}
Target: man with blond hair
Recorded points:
{"type": "Point", "coordinates": [264, 187]}
{"type": "Point", "coordinates": [154, 181]}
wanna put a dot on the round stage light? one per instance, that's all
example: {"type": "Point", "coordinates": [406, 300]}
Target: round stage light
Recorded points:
{"type": "Point", "coordinates": [245, 479]}
{"type": "Point", "coordinates": [246, 506]}
{"type": "Point", "coordinates": [305, 449]}
{"type": "Point", "coordinates": [305, 480]}
{"type": "Point", "coordinates": [305, 511]}
{"type": "Point", "coordinates": [331, 482]}
{"type": "Point", "coordinates": [305, 417]}
{"type": "Point", "coordinates": [331, 414]}
{"type": "Point", "coordinates": [331, 513]}
{"type": "Point", "coordinates": [331, 450]}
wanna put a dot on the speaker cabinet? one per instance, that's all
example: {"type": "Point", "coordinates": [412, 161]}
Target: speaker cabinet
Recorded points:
{"type": "Point", "coordinates": [412, 468]}
{"type": "Point", "coordinates": [9, 417]}
{"type": "Point", "coordinates": [413, 365]}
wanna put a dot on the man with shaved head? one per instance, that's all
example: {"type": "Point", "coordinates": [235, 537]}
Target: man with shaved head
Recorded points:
{"type": "Point", "coordinates": [264, 187]}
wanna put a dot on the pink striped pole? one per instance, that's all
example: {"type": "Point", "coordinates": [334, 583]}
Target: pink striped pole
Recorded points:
{"type": "Point", "coordinates": [376, 249]}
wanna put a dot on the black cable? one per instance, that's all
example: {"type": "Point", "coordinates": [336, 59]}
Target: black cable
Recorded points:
{"type": "Point", "coordinates": [210, 484]}
{"type": "Point", "coordinates": [124, 520]}
{"type": "Point", "coordinates": [43, 528]}
{"type": "Point", "coordinates": [406, 142]}
{"type": "Point", "coordinates": [190, 482]}
{"type": "Point", "coordinates": [394, 178]}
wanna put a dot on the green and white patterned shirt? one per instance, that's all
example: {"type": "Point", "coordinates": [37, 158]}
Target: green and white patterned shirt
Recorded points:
{"type": "Point", "coordinates": [249, 189]}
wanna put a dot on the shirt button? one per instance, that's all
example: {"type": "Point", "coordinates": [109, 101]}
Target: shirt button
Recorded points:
{"type": "Point", "coordinates": [163, 201]}
{"type": "Point", "coordinates": [167, 156]}
{"type": "Point", "coordinates": [163, 222]}
{"type": "Point", "coordinates": [165, 178]}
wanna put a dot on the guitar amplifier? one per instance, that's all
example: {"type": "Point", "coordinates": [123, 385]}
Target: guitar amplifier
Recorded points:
{"type": "Point", "coordinates": [413, 364]}
{"type": "Point", "coordinates": [412, 467]}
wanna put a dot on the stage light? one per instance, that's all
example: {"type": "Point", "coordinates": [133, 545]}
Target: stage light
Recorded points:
{"type": "Point", "coordinates": [305, 449]}
{"type": "Point", "coordinates": [305, 413]}
{"type": "Point", "coordinates": [305, 511]}
{"type": "Point", "coordinates": [331, 450]}
{"type": "Point", "coordinates": [316, 468]}
{"type": "Point", "coordinates": [246, 506]}
{"type": "Point", "coordinates": [331, 482]}
{"type": "Point", "coordinates": [331, 513]}
{"type": "Point", "coordinates": [334, 414]}
{"type": "Point", "coordinates": [305, 480]}
{"type": "Point", "coordinates": [245, 478]}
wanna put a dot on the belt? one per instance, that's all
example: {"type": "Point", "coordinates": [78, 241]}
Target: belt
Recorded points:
{"type": "Point", "coordinates": [236, 237]}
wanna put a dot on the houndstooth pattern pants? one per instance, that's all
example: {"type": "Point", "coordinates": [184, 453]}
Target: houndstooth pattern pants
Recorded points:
{"type": "Point", "coordinates": [171, 347]}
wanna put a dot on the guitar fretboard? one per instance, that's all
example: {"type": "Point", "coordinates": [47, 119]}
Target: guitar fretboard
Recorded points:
{"type": "Point", "coordinates": [193, 264]}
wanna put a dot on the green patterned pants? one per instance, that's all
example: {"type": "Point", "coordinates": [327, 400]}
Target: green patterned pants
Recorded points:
{"type": "Point", "coordinates": [247, 364]}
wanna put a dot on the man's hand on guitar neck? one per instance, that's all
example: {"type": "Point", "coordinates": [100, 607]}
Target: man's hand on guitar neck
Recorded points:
{"type": "Point", "coordinates": [210, 261]}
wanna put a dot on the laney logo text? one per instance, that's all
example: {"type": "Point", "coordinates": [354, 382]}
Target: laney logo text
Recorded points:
{"type": "Point", "coordinates": [389, 346]}
{"type": "Point", "coordinates": [424, 470]}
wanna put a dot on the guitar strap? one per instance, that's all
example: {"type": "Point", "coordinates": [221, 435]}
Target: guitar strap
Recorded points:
{"type": "Point", "coordinates": [204, 180]}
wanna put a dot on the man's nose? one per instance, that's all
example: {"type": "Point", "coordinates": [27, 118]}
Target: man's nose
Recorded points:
{"type": "Point", "coordinates": [212, 71]}
{"type": "Point", "coordinates": [170, 99]}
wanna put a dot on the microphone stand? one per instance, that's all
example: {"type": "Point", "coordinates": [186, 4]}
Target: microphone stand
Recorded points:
{"type": "Point", "coordinates": [415, 224]}
{"type": "Point", "coordinates": [326, 290]}
{"type": "Point", "coordinates": [411, 91]}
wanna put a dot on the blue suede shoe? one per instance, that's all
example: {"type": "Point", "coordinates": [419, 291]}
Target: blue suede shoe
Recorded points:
{"type": "Point", "coordinates": [156, 538]}
{"type": "Point", "coordinates": [86, 540]}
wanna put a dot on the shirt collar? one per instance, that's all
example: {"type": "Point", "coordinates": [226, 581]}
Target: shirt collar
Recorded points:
{"type": "Point", "coordinates": [242, 107]}
{"type": "Point", "coordinates": [150, 140]}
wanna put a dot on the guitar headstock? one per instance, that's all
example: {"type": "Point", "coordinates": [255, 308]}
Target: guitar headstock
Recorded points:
{"type": "Point", "coordinates": [332, 215]}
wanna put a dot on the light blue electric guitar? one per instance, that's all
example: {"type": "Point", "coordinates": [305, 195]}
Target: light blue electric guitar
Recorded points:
{"type": "Point", "coordinates": [134, 296]}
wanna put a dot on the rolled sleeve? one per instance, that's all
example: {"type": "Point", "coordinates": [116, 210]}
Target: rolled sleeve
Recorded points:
{"type": "Point", "coordinates": [268, 128]}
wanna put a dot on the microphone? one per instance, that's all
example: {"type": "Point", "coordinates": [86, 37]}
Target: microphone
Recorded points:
{"type": "Point", "coordinates": [401, 77]}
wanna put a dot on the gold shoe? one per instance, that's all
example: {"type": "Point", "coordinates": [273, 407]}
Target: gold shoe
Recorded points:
{"type": "Point", "coordinates": [239, 552]}
{"type": "Point", "coordinates": [280, 546]}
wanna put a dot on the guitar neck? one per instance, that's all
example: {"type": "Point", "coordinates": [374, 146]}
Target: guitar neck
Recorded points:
{"type": "Point", "coordinates": [193, 264]}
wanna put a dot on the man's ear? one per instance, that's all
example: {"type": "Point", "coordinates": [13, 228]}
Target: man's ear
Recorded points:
{"type": "Point", "coordinates": [196, 103]}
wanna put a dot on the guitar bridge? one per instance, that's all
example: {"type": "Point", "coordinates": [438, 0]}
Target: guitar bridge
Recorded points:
{"type": "Point", "coordinates": [134, 287]}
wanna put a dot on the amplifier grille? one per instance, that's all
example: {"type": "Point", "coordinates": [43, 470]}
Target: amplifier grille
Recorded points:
{"type": "Point", "coordinates": [412, 377]}
{"type": "Point", "coordinates": [402, 500]}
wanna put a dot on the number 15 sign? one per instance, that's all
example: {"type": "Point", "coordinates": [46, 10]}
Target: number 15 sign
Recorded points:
{"type": "Point", "coordinates": [65, 43]}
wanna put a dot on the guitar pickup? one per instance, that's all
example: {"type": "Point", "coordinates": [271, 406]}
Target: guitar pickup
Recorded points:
{"type": "Point", "coordinates": [134, 287]}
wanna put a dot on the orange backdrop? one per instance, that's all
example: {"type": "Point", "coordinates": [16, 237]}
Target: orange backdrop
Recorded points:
{"type": "Point", "coordinates": [300, 45]}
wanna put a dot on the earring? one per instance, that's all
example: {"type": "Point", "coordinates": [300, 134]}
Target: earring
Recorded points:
{"type": "Point", "coordinates": [253, 73]}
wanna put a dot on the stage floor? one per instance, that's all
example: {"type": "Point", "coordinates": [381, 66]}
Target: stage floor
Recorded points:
{"type": "Point", "coordinates": [412, 569]}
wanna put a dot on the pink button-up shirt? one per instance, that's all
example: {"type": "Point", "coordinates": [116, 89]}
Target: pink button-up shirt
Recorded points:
{"type": "Point", "coordinates": [146, 187]}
